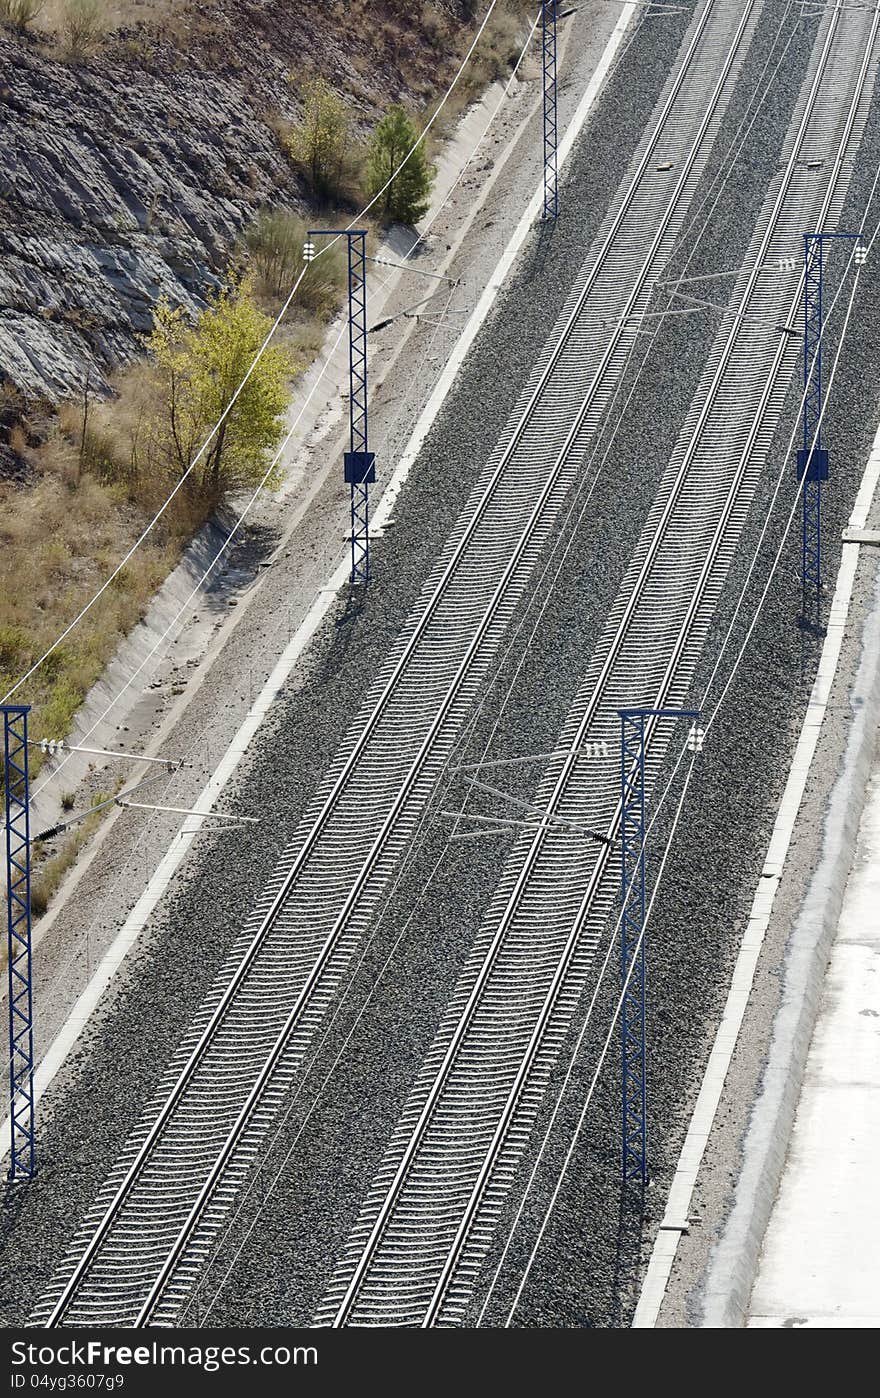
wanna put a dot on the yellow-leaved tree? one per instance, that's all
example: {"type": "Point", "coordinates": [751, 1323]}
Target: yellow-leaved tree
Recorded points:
{"type": "Point", "coordinates": [199, 365]}
{"type": "Point", "coordinates": [320, 145]}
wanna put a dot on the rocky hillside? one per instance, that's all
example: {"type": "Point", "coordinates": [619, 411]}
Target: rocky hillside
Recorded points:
{"type": "Point", "coordinates": [131, 173]}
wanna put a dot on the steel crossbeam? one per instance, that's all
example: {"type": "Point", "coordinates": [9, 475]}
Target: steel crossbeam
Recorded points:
{"type": "Point", "coordinates": [551, 118]}
{"type": "Point", "coordinates": [18, 922]}
{"type": "Point", "coordinates": [633, 894]}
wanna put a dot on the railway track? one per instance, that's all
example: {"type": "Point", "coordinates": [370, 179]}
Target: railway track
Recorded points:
{"type": "Point", "coordinates": [153, 1224]}
{"type": "Point", "coordinates": [415, 1254]}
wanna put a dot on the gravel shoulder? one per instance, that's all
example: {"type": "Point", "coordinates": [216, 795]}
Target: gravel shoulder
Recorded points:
{"type": "Point", "coordinates": [203, 680]}
{"type": "Point", "coordinates": [720, 1171]}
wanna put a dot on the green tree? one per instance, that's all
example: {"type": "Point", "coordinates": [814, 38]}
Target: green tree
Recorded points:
{"type": "Point", "coordinates": [199, 366]}
{"type": "Point", "coordinates": [408, 194]}
{"type": "Point", "coordinates": [319, 145]}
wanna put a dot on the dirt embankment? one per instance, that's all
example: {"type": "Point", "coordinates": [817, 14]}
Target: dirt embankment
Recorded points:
{"type": "Point", "coordinates": [130, 173]}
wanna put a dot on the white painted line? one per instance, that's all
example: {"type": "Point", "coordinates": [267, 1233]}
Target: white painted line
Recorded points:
{"type": "Point", "coordinates": [690, 1159]}
{"type": "Point", "coordinates": [159, 882]}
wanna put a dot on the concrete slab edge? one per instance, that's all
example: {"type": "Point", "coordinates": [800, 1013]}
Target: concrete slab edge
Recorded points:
{"type": "Point", "coordinates": [734, 1262]}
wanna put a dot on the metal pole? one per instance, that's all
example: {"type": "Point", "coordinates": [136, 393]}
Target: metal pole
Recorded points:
{"type": "Point", "coordinates": [812, 459]}
{"type": "Point", "coordinates": [18, 923]}
{"type": "Point", "coordinates": [359, 461]}
{"type": "Point", "coordinates": [359, 454]}
{"type": "Point", "coordinates": [633, 829]}
{"type": "Point", "coordinates": [551, 128]}
{"type": "Point", "coordinates": [632, 945]}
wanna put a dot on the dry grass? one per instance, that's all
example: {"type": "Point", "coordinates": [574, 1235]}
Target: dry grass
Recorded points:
{"type": "Point", "coordinates": [49, 869]}
{"type": "Point", "coordinates": [60, 537]}
{"type": "Point", "coordinates": [83, 27]}
{"type": "Point", "coordinates": [305, 338]}
{"type": "Point", "coordinates": [494, 57]}
{"type": "Point", "coordinates": [426, 46]}
{"type": "Point", "coordinates": [20, 14]}
{"type": "Point", "coordinates": [80, 29]}
{"type": "Point", "coordinates": [274, 245]}
{"type": "Point", "coordinates": [64, 532]}
{"type": "Point", "coordinates": [276, 262]}
{"type": "Point", "coordinates": [96, 483]}
{"type": "Point", "coordinates": [116, 14]}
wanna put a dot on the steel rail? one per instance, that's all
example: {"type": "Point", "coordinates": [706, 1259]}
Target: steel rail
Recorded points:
{"type": "Point", "coordinates": [563, 966]}
{"type": "Point", "coordinates": [660, 699]}
{"type": "Point", "coordinates": [154, 1135]}
{"type": "Point", "coordinates": [418, 762]}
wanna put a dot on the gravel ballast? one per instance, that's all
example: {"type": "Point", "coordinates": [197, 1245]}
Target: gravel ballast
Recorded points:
{"type": "Point", "coordinates": [323, 1199]}
{"type": "Point", "coordinates": [87, 1114]}
{"type": "Point", "coordinates": [707, 886]}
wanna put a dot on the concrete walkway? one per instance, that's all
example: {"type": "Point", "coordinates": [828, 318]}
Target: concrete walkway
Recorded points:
{"type": "Point", "coordinates": [820, 1264]}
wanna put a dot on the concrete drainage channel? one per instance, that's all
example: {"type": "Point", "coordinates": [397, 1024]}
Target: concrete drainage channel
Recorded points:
{"type": "Point", "coordinates": [732, 1191]}
{"type": "Point", "coordinates": [277, 1274]}
{"type": "Point", "coordinates": [734, 1265]}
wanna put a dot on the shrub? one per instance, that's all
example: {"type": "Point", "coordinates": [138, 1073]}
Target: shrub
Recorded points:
{"type": "Point", "coordinates": [101, 457]}
{"type": "Point", "coordinates": [15, 650]}
{"type": "Point", "coordinates": [275, 244]}
{"type": "Point", "coordinates": [57, 712]}
{"type": "Point", "coordinates": [82, 26]}
{"type": "Point", "coordinates": [431, 27]}
{"type": "Point", "coordinates": [321, 146]}
{"type": "Point", "coordinates": [20, 13]}
{"type": "Point", "coordinates": [408, 191]}
{"type": "Point", "coordinates": [48, 873]}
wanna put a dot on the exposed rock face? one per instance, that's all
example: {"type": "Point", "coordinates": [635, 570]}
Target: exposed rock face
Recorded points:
{"type": "Point", "coordinates": [132, 176]}
{"type": "Point", "coordinates": [114, 190]}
